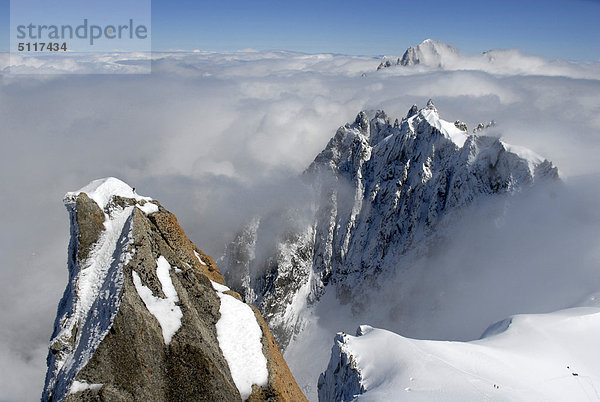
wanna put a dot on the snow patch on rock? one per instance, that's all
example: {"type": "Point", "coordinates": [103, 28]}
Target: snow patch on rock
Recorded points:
{"type": "Point", "coordinates": [218, 287]}
{"type": "Point", "coordinates": [80, 386]}
{"type": "Point", "coordinates": [166, 311]}
{"type": "Point", "coordinates": [148, 208]}
{"type": "Point", "coordinates": [240, 340]}
{"type": "Point", "coordinates": [199, 259]}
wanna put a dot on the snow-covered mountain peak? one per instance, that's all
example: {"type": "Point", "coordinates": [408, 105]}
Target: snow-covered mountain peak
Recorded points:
{"type": "Point", "coordinates": [425, 123]}
{"type": "Point", "coordinates": [430, 105]}
{"type": "Point", "coordinates": [429, 52]}
{"type": "Point", "coordinates": [414, 109]}
{"type": "Point", "coordinates": [384, 191]}
{"type": "Point", "coordinates": [373, 126]}
{"type": "Point", "coordinates": [103, 190]}
{"type": "Point", "coordinates": [423, 137]}
{"type": "Point", "coordinates": [140, 299]}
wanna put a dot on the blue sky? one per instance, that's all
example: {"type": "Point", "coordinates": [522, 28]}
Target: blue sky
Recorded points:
{"type": "Point", "coordinates": [566, 29]}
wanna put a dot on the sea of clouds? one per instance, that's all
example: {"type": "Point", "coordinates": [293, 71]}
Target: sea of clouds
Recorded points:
{"type": "Point", "coordinates": [218, 137]}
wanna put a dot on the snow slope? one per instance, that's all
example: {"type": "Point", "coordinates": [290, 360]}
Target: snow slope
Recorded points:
{"type": "Point", "coordinates": [551, 357]}
{"type": "Point", "coordinates": [240, 338]}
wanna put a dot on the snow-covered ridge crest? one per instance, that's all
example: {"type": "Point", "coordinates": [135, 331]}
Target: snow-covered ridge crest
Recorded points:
{"type": "Point", "coordinates": [549, 357]}
{"type": "Point", "coordinates": [103, 190]}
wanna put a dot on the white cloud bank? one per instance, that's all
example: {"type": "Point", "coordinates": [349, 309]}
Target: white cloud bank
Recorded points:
{"type": "Point", "coordinates": [216, 137]}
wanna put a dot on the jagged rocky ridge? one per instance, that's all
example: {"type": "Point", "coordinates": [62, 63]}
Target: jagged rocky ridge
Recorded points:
{"type": "Point", "coordinates": [146, 315]}
{"type": "Point", "coordinates": [343, 379]}
{"type": "Point", "coordinates": [384, 190]}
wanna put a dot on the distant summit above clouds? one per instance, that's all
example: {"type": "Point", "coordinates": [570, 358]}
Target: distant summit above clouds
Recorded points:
{"type": "Point", "coordinates": [430, 52]}
{"type": "Point", "coordinates": [433, 54]}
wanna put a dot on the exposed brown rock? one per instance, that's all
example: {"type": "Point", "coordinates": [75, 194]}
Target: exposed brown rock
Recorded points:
{"type": "Point", "coordinates": [282, 385]}
{"type": "Point", "coordinates": [171, 231]}
{"type": "Point", "coordinates": [132, 361]}
{"type": "Point", "coordinates": [90, 221]}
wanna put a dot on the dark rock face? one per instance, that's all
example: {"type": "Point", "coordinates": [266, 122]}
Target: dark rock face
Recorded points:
{"type": "Point", "coordinates": [133, 359]}
{"type": "Point", "coordinates": [128, 357]}
{"type": "Point", "coordinates": [90, 223]}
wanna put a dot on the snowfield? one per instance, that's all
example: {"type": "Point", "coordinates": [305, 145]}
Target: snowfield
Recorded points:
{"type": "Point", "coordinates": [550, 357]}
